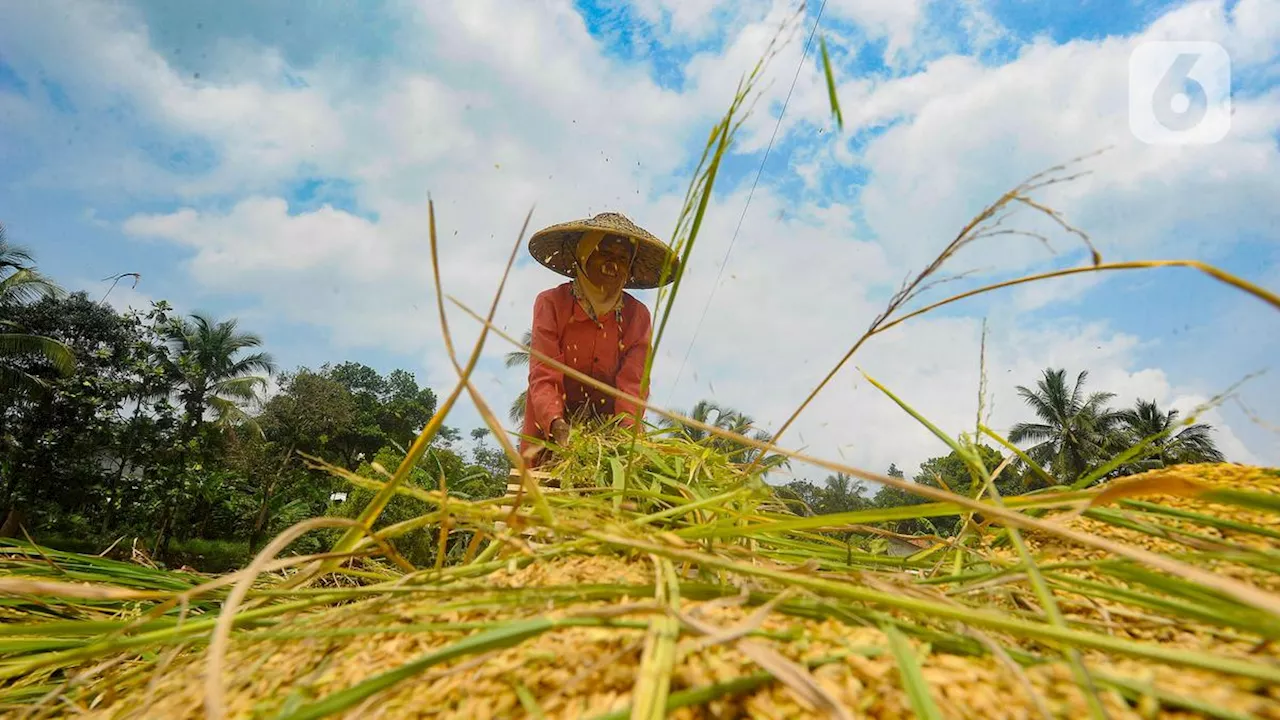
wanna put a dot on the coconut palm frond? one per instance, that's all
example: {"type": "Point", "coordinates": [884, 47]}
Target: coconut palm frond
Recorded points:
{"type": "Point", "coordinates": [13, 380]}
{"type": "Point", "coordinates": [57, 354]}
{"type": "Point", "coordinates": [520, 358]}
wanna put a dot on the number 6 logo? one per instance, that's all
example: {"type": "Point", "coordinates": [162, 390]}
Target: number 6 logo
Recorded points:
{"type": "Point", "coordinates": [1179, 93]}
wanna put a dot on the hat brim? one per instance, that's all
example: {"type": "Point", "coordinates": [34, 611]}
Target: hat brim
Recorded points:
{"type": "Point", "coordinates": [554, 247]}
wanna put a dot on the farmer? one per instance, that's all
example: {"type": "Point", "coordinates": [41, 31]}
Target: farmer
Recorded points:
{"type": "Point", "coordinates": [590, 324]}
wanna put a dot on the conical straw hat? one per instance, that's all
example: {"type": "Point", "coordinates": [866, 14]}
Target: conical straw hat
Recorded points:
{"type": "Point", "coordinates": [554, 247]}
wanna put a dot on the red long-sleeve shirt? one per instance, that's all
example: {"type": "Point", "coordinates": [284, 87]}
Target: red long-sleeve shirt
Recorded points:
{"type": "Point", "coordinates": [611, 354]}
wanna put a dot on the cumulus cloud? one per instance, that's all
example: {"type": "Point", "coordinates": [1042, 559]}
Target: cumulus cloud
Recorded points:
{"type": "Point", "coordinates": [691, 20]}
{"type": "Point", "coordinates": [895, 21]}
{"type": "Point", "coordinates": [968, 132]}
{"type": "Point", "coordinates": [492, 123]}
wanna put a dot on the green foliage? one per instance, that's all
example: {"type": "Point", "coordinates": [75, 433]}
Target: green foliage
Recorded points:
{"type": "Point", "coordinates": [801, 496]}
{"type": "Point", "coordinates": [157, 433]}
{"type": "Point", "coordinates": [719, 416]}
{"type": "Point", "coordinates": [492, 459]}
{"type": "Point", "coordinates": [54, 442]}
{"type": "Point", "coordinates": [21, 284]}
{"type": "Point", "coordinates": [211, 556]}
{"type": "Point", "coordinates": [305, 417]}
{"type": "Point", "coordinates": [1169, 445]}
{"type": "Point", "coordinates": [842, 493]}
{"type": "Point", "coordinates": [519, 358]}
{"type": "Point", "coordinates": [389, 409]}
{"type": "Point", "coordinates": [1076, 433]}
{"type": "Point", "coordinates": [215, 369]}
{"type": "Point", "coordinates": [463, 480]}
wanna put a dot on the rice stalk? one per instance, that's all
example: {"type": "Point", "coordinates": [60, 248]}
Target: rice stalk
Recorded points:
{"type": "Point", "coordinates": [912, 679]}
{"type": "Point", "coordinates": [370, 514]}
{"type": "Point", "coordinates": [214, 703]}
{"type": "Point", "coordinates": [526, 482]}
{"type": "Point", "coordinates": [1066, 636]}
{"type": "Point", "coordinates": [653, 679]}
{"type": "Point", "coordinates": [1042, 590]}
{"type": "Point", "coordinates": [1241, 591]}
{"type": "Point", "coordinates": [830, 77]}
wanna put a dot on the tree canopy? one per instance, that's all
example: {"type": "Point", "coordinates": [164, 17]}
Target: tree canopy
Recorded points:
{"type": "Point", "coordinates": [161, 426]}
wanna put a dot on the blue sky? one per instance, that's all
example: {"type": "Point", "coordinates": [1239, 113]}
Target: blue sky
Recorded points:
{"type": "Point", "coordinates": [272, 162]}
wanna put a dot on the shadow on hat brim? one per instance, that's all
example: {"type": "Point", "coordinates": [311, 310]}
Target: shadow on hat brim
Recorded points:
{"type": "Point", "coordinates": [554, 248]}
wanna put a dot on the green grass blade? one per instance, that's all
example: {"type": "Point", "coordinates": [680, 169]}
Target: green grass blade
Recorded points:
{"type": "Point", "coordinates": [1212, 615]}
{"type": "Point", "coordinates": [974, 616]}
{"type": "Point", "coordinates": [528, 701]}
{"type": "Point", "coordinates": [912, 677]}
{"type": "Point", "coordinates": [92, 650]}
{"type": "Point", "coordinates": [619, 483]}
{"type": "Point", "coordinates": [1244, 498]}
{"type": "Point", "coordinates": [656, 664]}
{"type": "Point", "coordinates": [1121, 458]}
{"type": "Point", "coordinates": [707, 693]}
{"type": "Point", "coordinates": [831, 82]}
{"type": "Point", "coordinates": [1135, 691]}
{"type": "Point", "coordinates": [1201, 518]}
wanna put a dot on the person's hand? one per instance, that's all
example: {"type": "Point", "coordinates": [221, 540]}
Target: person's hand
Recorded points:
{"type": "Point", "coordinates": [560, 431]}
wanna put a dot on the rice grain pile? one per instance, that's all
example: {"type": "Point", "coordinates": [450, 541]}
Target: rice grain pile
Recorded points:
{"type": "Point", "coordinates": [685, 601]}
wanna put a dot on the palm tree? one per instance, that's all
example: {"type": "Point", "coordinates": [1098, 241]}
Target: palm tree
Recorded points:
{"type": "Point", "coordinates": [206, 357]}
{"type": "Point", "coordinates": [702, 412]}
{"type": "Point", "coordinates": [1075, 432]}
{"type": "Point", "coordinates": [739, 423]}
{"type": "Point", "coordinates": [733, 421]}
{"type": "Point", "coordinates": [519, 358]}
{"type": "Point", "coordinates": [20, 283]}
{"type": "Point", "coordinates": [517, 409]}
{"type": "Point", "coordinates": [843, 493]}
{"type": "Point", "coordinates": [1192, 444]}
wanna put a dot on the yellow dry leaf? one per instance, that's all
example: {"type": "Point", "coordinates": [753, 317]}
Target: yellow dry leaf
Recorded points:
{"type": "Point", "coordinates": [1156, 483]}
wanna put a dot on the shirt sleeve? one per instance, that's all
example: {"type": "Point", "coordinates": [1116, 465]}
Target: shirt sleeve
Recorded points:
{"type": "Point", "coordinates": [636, 337]}
{"type": "Point", "coordinates": [546, 384]}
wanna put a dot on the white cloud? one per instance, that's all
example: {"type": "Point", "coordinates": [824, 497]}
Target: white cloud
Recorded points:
{"type": "Point", "coordinates": [1033, 296]}
{"type": "Point", "coordinates": [897, 21]}
{"type": "Point", "coordinates": [1256, 25]}
{"type": "Point", "coordinates": [690, 20]}
{"type": "Point", "coordinates": [906, 29]}
{"type": "Point", "coordinates": [233, 243]}
{"type": "Point", "coordinates": [492, 123]}
{"type": "Point", "coordinates": [970, 133]}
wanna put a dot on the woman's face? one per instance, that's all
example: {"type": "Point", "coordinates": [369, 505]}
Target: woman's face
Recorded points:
{"type": "Point", "coordinates": [610, 265]}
